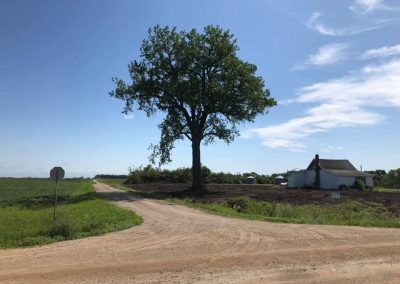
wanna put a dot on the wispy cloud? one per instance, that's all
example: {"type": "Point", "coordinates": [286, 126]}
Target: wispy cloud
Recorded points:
{"type": "Point", "coordinates": [330, 148]}
{"type": "Point", "coordinates": [385, 51]}
{"type": "Point", "coordinates": [128, 116]}
{"type": "Point", "coordinates": [344, 102]}
{"type": "Point", "coordinates": [314, 24]}
{"type": "Point", "coordinates": [285, 102]}
{"type": "Point", "coordinates": [326, 55]}
{"type": "Point", "coordinates": [329, 54]}
{"type": "Point", "coordinates": [364, 7]}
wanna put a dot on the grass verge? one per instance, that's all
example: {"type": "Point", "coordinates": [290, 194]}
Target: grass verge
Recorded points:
{"type": "Point", "coordinates": [383, 189]}
{"type": "Point", "coordinates": [26, 212]}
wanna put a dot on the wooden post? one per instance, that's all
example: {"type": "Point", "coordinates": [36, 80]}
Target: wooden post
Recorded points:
{"type": "Point", "coordinates": [55, 200]}
{"type": "Point", "coordinates": [317, 173]}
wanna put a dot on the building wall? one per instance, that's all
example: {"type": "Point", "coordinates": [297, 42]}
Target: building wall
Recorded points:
{"type": "Point", "coordinates": [292, 180]}
{"type": "Point", "coordinates": [349, 181]}
{"type": "Point", "coordinates": [328, 180]}
{"type": "Point", "coordinates": [369, 181]}
{"type": "Point", "coordinates": [303, 179]}
{"type": "Point", "coordinates": [296, 180]}
{"type": "Point", "coordinates": [310, 178]}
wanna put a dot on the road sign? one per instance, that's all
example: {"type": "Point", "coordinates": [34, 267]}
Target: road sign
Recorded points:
{"type": "Point", "coordinates": [57, 173]}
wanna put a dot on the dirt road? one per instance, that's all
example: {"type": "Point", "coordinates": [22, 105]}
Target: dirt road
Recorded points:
{"type": "Point", "coordinates": [182, 245]}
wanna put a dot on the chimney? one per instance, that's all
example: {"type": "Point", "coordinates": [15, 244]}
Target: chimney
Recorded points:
{"type": "Point", "coordinates": [317, 172]}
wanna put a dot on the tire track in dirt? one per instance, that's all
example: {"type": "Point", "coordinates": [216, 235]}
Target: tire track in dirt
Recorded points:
{"type": "Point", "coordinates": [180, 244]}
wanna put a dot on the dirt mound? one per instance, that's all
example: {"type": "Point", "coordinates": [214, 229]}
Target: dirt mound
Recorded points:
{"type": "Point", "coordinates": [272, 193]}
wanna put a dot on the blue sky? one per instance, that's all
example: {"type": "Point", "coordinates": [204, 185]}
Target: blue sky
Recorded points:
{"type": "Point", "coordinates": [333, 67]}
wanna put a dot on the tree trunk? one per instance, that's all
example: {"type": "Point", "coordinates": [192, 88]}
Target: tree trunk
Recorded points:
{"type": "Point", "coordinates": [197, 183]}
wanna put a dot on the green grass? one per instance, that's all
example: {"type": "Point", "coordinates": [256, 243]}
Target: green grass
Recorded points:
{"type": "Point", "coordinates": [26, 212]}
{"type": "Point", "coordinates": [346, 213]}
{"type": "Point", "coordinates": [383, 189]}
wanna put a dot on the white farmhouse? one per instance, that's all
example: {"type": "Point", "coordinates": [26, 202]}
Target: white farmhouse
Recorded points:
{"type": "Point", "coordinates": [328, 174]}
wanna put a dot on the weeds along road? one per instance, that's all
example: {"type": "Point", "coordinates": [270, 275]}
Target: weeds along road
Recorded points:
{"type": "Point", "coordinates": [177, 244]}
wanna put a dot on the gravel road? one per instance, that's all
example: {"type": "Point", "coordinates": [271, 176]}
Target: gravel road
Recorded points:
{"type": "Point", "coordinates": [176, 244]}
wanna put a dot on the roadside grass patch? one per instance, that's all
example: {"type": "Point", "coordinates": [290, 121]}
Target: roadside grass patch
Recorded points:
{"type": "Point", "coordinates": [26, 212]}
{"type": "Point", "coordinates": [346, 213]}
{"type": "Point", "coordinates": [383, 189]}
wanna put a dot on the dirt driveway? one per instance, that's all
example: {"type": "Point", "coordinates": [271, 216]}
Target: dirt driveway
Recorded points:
{"type": "Point", "coordinates": [182, 245]}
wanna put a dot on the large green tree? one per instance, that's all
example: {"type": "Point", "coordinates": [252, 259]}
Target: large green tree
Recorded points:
{"type": "Point", "coordinates": [392, 179]}
{"type": "Point", "coordinates": [201, 85]}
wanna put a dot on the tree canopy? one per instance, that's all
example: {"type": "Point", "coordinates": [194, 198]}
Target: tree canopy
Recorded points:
{"type": "Point", "coordinates": [392, 179]}
{"type": "Point", "coordinates": [201, 85]}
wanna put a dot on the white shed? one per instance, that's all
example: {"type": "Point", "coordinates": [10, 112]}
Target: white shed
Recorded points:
{"type": "Point", "coordinates": [328, 174]}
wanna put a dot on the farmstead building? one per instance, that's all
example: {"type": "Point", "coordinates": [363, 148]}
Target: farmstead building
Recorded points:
{"type": "Point", "coordinates": [328, 174]}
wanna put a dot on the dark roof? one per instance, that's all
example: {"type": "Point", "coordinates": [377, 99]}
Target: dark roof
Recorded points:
{"type": "Point", "coordinates": [341, 165]}
{"type": "Point", "coordinates": [348, 173]}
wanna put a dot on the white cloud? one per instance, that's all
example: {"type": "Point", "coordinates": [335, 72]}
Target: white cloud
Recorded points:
{"type": "Point", "coordinates": [373, 85]}
{"type": "Point", "coordinates": [128, 116]}
{"type": "Point", "coordinates": [385, 51]}
{"type": "Point", "coordinates": [330, 148]}
{"type": "Point", "coordinates": [344, 102]}
{"type": "Point", "coordinates": [365, 6]}
{"type": "Point", "coordinates": [285, 102]}
{"type": "Point", "coordinates": [314, 24]}
{"type": "Point", "coordinates": [326, 55]}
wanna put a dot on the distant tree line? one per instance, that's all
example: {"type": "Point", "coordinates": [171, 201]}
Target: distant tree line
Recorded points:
{"type": "Point", "coordinates": [150, 174]}
{"type": "Point", "coordinates": [388, 180]}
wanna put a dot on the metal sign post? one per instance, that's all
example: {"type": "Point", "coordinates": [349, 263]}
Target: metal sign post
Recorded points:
{"type": "Point", "coordinates": [57, 174]}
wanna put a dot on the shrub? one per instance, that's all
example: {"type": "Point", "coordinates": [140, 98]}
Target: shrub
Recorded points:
{"type": "Point", "coordinates": [62, 228]}
{"type": "Point", "coordinates": [360, 185]}
{"type": "Point", "coordinates": [240, 204]}
{"type": "Point", "coordinates": [150, 174]}
{"type": "Point", "coordinates": [262, 179]}
{"type": "Point", "coordinates": [221, 178]}
{"type": "Point", "coordinates": [343, 187]}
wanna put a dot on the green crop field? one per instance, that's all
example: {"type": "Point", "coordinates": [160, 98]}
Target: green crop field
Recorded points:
{"type": "Point", "coordinates": [26, 212]}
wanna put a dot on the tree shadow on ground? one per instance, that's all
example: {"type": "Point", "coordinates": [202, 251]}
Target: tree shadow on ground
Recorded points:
{"type": "Point", "coordinates": [36, 202]}
{"type": "Point", "coordinates": [91, 195]}
{"type": "Point", "coordinates": [47, 201]}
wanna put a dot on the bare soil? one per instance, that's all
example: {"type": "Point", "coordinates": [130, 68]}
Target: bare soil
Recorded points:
{"type": "Point", "coordinates": [272, 193]}
{"type": "Point", "coordinates": [176, 244]}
